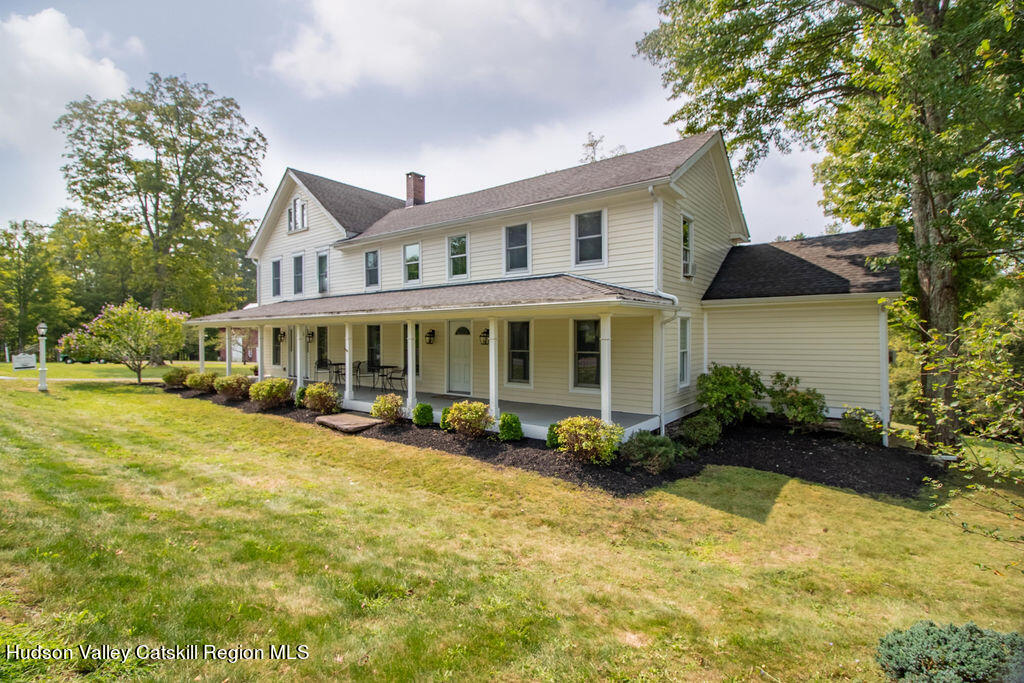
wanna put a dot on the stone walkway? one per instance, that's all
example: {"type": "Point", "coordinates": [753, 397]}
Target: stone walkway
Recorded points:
{"type": "Point", "coordinates": [349, 423]}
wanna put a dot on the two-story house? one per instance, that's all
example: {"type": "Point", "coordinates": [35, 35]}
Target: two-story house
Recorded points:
{"type": "Point", "coordinates": [602, 289]}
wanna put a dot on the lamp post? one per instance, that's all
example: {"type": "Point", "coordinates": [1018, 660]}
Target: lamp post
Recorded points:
{"type": "Point", "coordinates": [41, 331]}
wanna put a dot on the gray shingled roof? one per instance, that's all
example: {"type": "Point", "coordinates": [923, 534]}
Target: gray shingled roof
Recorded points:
{"type": "Point", "coordinates": [522, 291]}
{"type": "Point", "coordinates": [833, 264]}
{"type": "Point", "coordinates": [636, 167]}
{"type": "Point", "coordinates": [355, 208]}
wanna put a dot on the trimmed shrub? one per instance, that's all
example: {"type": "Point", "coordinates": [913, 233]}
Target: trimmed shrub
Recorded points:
{"type": "Point", "coordinates": [653, 453]}
{"type": "Point", "coordinates": [423, 415]}
{"type": "Point", "coordinates": [509, 427]}
{"type": "Point", "coordinates": [443, 424]}
{"type": "Point", "coordinates": [387, 407]}
{"type": "Point", "coordinates": [270, 392]}
{"type": "Point", "coordinates": [202, 381]}
{"type": "Point", "coordinates": [470, 419]}
{"type": "Point", "coordinates": [700, 431]}
{"type": "Point", "coordinates": [803, 408]}
{"type": "Point", "coordinates": [552, 439]}
{"type": "Point", "coordinates": [589, 439]}
{"type": "Point", "coordinates": [928, 652]}
{"type": "Point", "coordinates": [728, 393]}
{"type": "Point", "coordinates": [863, 425]}
{"type": "Point", "coordinates": [233, 387]}
{"type": "Point", "coordinates": [321, 398]}
{"type": "Point", "coordinates": [300, 396]}
{"type": "Point", "coordinates": [175, 377]}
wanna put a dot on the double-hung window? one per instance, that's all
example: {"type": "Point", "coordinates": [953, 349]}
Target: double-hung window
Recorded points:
{"type": "Point", "coordinates": [411, 263]}
{"type": "Point", "coordinates": [373, 346]}
{"type": "Point", "coordinates": [587, 353]}
{"type": "Point", "coordinates": [321, 346]}
{"type": "Point", "coordinates": [371, 268]}
{"type": "Point", "coordinates": [458, 257]}
{"type": "Point", "coordinates": [588, 238]}
{"type": "Point", "coordinates": [275, 278]}
{"type": "Point", "coordinates": [517, 248]}
{"type": "Point", "coordinates": [322, 283]}
{"type": "Point", "coordinates": [684, 352]}
{"type": "Point", "coordinates": [275, 346]}
{"type": "Point", "coordinates": [297, 274]}
{"type": "Point", "coordinates": [519, 352]}
{"type": "Point", "coordinates": [297, 215]}
{"type": "Point", "coordinates": [686, 238]}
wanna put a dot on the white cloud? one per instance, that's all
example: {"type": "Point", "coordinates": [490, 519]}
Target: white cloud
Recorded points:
{"type": "Point", "coordinates": [541, 47]}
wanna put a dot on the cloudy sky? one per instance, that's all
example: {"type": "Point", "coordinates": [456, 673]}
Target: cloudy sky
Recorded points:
{"type": "Point", "coordinates": [472, 94]}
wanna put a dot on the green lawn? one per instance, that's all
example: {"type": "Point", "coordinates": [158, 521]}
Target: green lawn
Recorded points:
{"type": "Point", "coordinates": [131, 516]}
{"type": "Point", "coordinates": [111, 370]}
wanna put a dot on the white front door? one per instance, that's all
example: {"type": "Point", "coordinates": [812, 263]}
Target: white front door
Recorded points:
{"type": "Point", "coordinates": [460, 357]}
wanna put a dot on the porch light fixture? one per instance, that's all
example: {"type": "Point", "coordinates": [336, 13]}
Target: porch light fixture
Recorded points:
{"type": "Point", "coordinates": [281, 335]}
{"type": "Point", "coordinates": [41, 329]}
{"type": "Point", "coordinates": [309, 336]}
{"type": "Point", "coordinates": [429, 336]}
{"type": "Point", "coordinates": [485, 336]}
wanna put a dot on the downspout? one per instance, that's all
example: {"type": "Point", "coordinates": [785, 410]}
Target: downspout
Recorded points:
{"type": "Point", "coordinates": [659, 364]}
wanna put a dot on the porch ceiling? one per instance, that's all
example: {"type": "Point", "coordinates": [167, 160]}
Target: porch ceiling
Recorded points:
{"type": "Point", "coordinates": [481, 299]}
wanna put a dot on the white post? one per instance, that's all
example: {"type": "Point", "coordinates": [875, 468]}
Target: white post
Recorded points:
{"type": "Point", "coordinates": [227, 351]}
{"type": "Point", "coordinates": [705, 342]}
{"type": "Point", "coordinates": [42, 362]}
{"type": "Point", "coordinates": [202, 349]}
{"type": "Point", "coordinates": [606, 367]}
{"type": "Point", "coordinates": [300, 343]}
{"type": "Point", "coordinates": [410, 363]}
{"type": "Point", "coordinates": [492, 367]}
{"type": "Point", "coordinates": [883, 359]}
{"type": "Point", "coordinates": [658, 379]}
{"type": "Point", "coordinates": [348, 362]}
{"type": "Point", "coordinates": [260, 331]}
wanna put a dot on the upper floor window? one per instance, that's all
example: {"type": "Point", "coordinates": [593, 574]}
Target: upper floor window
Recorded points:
{"type": "Point", "coordinates": [297, 215]}
{"type": "Point", "coordinates": [458, 257]}
{"type": "Point", "coordinates": [588, 238]}
{"type": "Point", "coordinates": [411, 263]}
{"type": "Point", "coordinates": [371, 268]}
{"type": "Point", "coordinates": [519, 352]}
{"type": "Point", "coordinates": [297, 273]}
{"type": "Point", "coordinates": [684, 352]}
{"type": "Point", "coordinates": [517, 248]}
{"type": "Point", "coordinates": [275, 278]}
{"type": "Point", "coordinates": [322, 283]}
{"type": "Point", "coordinates": [686, 258]}
{"type": "Point", "coordinates": [587, 353]}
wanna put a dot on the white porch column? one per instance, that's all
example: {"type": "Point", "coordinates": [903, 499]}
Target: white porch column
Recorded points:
{"type": "Point", "coordinates": [410, 363]}
{"type": "Point", "coordinates": [658, 371]}
{"type": "Point", "coordinates": [202, 349]}
{"type": "Point", "coordinates": [606, 367]}
{"type": "Point", "coordinates": [348, 362]}
{"type": "Point", "coordinates": [492, 367]}
{"type": "Point", "coordinates": [227, 351]}
{"type": "Point", "coordinates": [300, 341]}
{"type": "Point", "coordinates": [883, 367]}
{"type": "Point", "coordinates": [260, 331]}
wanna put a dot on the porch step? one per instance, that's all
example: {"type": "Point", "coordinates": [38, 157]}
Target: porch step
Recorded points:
{"type": "Point", "coordinates": [349, 423]}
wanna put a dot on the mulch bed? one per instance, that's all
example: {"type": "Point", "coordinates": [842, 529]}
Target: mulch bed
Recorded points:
{"type": "Point", "coordinates": [821, 457]}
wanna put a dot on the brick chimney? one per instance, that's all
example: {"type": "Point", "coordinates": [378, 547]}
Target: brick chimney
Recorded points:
{"type": "Point", "coordinates": [415, 188]}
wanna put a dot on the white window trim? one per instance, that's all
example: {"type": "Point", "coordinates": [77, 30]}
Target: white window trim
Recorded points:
{"type": "Point", "coordinates": [282, 349]}
{"type": "Point", "coordinates": [295, 255]}
{"type": "Point", "coordinates": [448, 258]}
{"type": "Point", "coordinates": [529, 250]}
{"type": "Point", "coordinates": [405, 271]}
{"type": "Point", "coordinates": [327, 271]}
{"type": "Point", "coordinates": [505, 351]}
{"type": "Point", "coordinates": [299, 219]}
{"type": "Point", "coordinates": [316, 329]}
{"type": "Point", "coordinates": [280, 278]}
{"type": "Point", "coordinates": [689, 351]}
{"type": "Point", "coordinates": [376, 287]}
{"type": "Point", "coordinates": [687, 219]}
{"type": "Point", "coordinates": [596, 391]}
{"type": "Point", "coordinates": [603, 263]}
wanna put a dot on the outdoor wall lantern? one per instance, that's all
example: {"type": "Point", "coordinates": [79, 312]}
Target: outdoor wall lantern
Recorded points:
{"type": "Point", "coordinates": [282, 335]}
{"type": "Point", "coordinates": [429, 336]}
{"type": "Point", "coordinates": [41, 331]}
{"type": "Point", "coordinates": [485, 337]}
{"type": "Point", "coordinates": [309, 336]}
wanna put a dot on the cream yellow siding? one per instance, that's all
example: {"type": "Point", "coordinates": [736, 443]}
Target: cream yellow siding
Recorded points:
{"type": "Point", "coordinates": [833, 347]}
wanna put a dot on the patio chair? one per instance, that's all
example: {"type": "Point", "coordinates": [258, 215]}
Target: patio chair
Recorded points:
{"type": "Point", "coordinates": [323, 365]}
{"type": "Point", "coordinates": [362, 370]}
{"type": "Point", "coordinates": [394, 378]}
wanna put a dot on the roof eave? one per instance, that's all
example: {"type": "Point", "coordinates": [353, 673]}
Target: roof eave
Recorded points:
{"type": "Point", "coordinates": [800, 299]}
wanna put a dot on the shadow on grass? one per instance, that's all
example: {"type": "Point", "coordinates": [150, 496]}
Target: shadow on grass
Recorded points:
{"type": "Point", "coordinates": [740, 491]}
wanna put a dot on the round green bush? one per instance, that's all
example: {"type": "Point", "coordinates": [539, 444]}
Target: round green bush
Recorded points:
{"type": "Point", "coordinates": [653, 453]}
{"type": "Point", "coordinates": [443, 424]}
{"type": "Point", "coordinates": [423, 415]}
{"type": "Point", "coordinates": [388, 407]}
{"type": "Point", "coordinates": [202, 381]}
{"type": "Point", "coordinates": [271, 392]}
{"type": "Point", "coordinates": [509, 427]}
{"type": "Point", "coordinates": [928, 652]}
{"type": "Point", "coordinates": [701, 430]}
{"type": "Point", "coordinates": [730, 393]}
{"type": "Point", "coordinates": [175, 377]}
{"type": "Point", "coordinates": [300, 397]}
{"type": "Point", "coordinates": [470, 419]}
{"type": "Point", "coordinates": [233, 387]}
{"type": "Point", "coordinates": [802, 408]}
{"type": "Point", "coordinates": [321, 398]}
{"type": "Point", "coordinates": [589, 439]}
{"type": "Point", "coordinates": [552, 439]}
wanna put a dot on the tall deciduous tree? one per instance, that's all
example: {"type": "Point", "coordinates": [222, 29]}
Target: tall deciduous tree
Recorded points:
{"type": "Point", "coordinates": [177, 161]}
{"type": "Point", "coordinates": [916, 103]}
{"type": "Point", "coordinates": [32, 288]}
